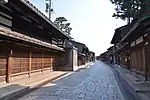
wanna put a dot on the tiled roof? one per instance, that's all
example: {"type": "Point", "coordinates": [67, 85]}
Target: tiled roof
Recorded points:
{"type": "Point", "coordinates": [31, 6]}
{"type": "Point", "coordinates": [20, 36]}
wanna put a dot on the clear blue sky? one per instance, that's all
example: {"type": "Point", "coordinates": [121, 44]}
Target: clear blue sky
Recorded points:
{"type": "Point", "coordinates": [91, 20]}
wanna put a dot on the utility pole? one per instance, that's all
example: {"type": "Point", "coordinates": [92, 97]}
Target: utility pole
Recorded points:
{"type": "Point", "coordinates": [49, 9]}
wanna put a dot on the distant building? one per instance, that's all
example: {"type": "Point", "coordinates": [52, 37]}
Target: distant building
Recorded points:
{"type": "Point", "coordinates": [91, 56]}
{"type": "Point", "coordinates": [82, 50]}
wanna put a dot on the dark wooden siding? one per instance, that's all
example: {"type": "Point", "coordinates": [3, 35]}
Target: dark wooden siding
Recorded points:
{"type": "Point", "coordinates": [124, 59]}
{"type": "Point", "coordinates": [3, 62]}
{"type": "Point", "coordinates": [137, 58]}
{"type": "Point", "coordinates": [58, 62]}
{"type": "Point", "coordinates": [5, 19]}
{"type": "Point", "coordinates": [3, 59]}
{"type": "Point", "coordinates": [133, 61]}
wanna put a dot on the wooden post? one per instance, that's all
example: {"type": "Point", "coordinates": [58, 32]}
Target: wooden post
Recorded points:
{"type": "Point", "coordinates": [51, 63]}
{"type": "Point", "coordinates": [137, 58]}
{"type": "Point", "coordinates": [128, 57]}
{"type": "Point", "coordinates": [9, 66]}
{"type": "Point", "coordinates": [30, 63]}
{"type": "Point", "coordinates": [42, 62]}
{"type": "Point", "coordinates": [147, 54]}
{"type": "Point", "coordinates": [128, 61]}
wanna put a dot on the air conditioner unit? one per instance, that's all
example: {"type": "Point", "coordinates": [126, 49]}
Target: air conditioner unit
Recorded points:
{"type": "Point", "coordinates": [3, 2]}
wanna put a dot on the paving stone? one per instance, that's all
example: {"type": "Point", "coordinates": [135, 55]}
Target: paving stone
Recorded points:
{"type": "Point", "coordinates": [95, 83]}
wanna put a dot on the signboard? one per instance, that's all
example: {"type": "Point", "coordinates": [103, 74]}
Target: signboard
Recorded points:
{"type": "Point", "coordinates": [139, 40]}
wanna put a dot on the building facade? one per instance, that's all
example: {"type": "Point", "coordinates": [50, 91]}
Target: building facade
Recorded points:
{"type": "Point", "coordinates": [132, 46]}
{"type": "Point", "coordinates": [29, 41]}
{"type": "Point", "coordinates": [82, 52]}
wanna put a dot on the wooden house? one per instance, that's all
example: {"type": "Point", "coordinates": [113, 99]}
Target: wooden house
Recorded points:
{"type": "Point", "coordinates": [134, 48]}
{"type": "Point", "coordinates": [82, 51]}
{"type": "Point", "coordinates": [29, 41]}
{"type": "Point", "coordinates": [91, 56]}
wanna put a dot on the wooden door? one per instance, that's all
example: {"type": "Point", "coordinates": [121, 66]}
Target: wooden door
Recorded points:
{"type": "Point", "coordinates": [133, 60]}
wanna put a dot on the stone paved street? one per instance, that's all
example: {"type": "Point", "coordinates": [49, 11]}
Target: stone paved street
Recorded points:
{"type": "Point", "coordinates": [95, 83]}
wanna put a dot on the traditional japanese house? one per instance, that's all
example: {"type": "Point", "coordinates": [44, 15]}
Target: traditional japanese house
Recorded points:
{"type": "Point", "coordinates": [70, 57]}
{"type": "Point", "coordinates": [29, 41]}
{"type": "Point", "coordinates": [105, 57]}
{"type": "Point", "coordinates": [120, 50]}
{"type": "Point", "coordinates": [76, 54]}
{"type": "Point", "coordinates": [135, 44]}
{"type": "Point", "coordinates": [82, 51]}
{"type": "Point", "coordinates": [98, 58]}
{"type": "Point", "coordinates": [138, 50]}
{"type": "Point", "coordinates": [91, 56]}
{"type": "Point", "coordinates": [111, 54]}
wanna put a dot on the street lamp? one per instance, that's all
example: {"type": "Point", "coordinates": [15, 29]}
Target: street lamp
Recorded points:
{"type": "Point", "coordinates": [49, 9]}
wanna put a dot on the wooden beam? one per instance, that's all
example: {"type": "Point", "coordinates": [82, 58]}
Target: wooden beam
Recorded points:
{"type": "Point", "coordinates": [9, 66]}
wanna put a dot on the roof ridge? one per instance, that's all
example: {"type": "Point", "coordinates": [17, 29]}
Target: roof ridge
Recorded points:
{"type": "Point", "coordinates": [44, 16]}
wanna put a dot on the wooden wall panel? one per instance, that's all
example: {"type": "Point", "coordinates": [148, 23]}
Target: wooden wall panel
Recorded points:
{"type": "Point", "coordinates": [40, 61]}
{"type": "Point", "coordinates": [20, 62]}
{"type": "Point", "coordinates": [133, 61]}
{"type": "Point", "coordinates": [47, 63]}
{"type": "Point", "coordinates": [54, 63]}
{"type": "Point", "coordinates": [26, 60]}
{"type": "Point", "coordinates": [59, 61]}
{"type": "Point", "coordinates": [3, 59]}
{"type": "Point", "coordinates": [3, 63]}
{"type": "Point", "coordinates": [124, 59]}
{"type": "Point", "coordinates": [137, 59]}
{"type": "Point", "coordinates": [36, 61]}
{"type": "Point", "coordinates": [140, 60]}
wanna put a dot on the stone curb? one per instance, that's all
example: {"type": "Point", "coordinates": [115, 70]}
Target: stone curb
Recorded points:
{"type": "Point", "coordinates": [26, 90]}
{"type": "Point", "coordinates": [86, 66]}
{"type": "Point", "coordinates": [136, 95]}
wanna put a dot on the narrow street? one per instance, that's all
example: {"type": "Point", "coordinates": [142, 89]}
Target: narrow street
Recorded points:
{"type": "Point", "coordinates": [94, 83]}
{"type": "Point", "coordinates": [74, 49]}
